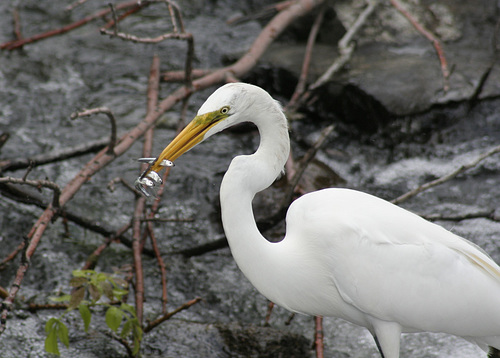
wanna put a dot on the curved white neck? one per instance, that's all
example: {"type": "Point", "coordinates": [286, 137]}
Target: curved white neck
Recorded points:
{"type": "Point", "coordinates": [246, 176]}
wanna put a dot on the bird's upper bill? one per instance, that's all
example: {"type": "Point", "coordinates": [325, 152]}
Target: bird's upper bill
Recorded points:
{"type": "Point", "coordinates": [191, 135]}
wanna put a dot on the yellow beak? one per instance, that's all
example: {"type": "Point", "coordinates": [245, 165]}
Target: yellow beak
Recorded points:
{"type": "Point", "coordinates": [191, 135]}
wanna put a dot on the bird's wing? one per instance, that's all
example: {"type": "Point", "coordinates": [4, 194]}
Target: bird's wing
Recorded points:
{"type": "Point", "coordinates": [395, 266]}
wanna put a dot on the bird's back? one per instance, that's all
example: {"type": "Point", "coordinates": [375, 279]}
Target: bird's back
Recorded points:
{"type": "Point", "coordinates": [395, 266]}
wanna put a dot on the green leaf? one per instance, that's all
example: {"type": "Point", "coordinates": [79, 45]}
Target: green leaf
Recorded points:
{"type": "Point", "coordinates": [86, 316]}
{"type": "Point", "coordinates": [101, 277]}
{"type": "Point", "coordinates": [137, 333]}
{"type": "Point", "coordinates": [78, 281]}
{"type": "Point", "coordinates": [95, 293]}
{"type": "Point", "coordinates": [120, 282]}
{"type": "Point", "coordinates": [49, 326]}
{"type": "Point", "coordinates": [127, 328]}
{"type": "Point", "coordinates": [114, 317]}
{"type": "Point", "coordinates": [63, 298]}
{"type": "Point", "coordinates": [76, 298]}
{"type": "Point", "coordinates": [119, 293]}
{"type": "Point", "coordinates": [137, 346]}
{"type": "Point", "coordinates": [62, 333]}
{"type": "Point", "coordinates": [137, 330]}
{"type": "Point", "coordinates": [128, 308]}
{"type": "Point", "coordinates": [51, 342]}
{"type": "Point", "coordinates": [107, 288]}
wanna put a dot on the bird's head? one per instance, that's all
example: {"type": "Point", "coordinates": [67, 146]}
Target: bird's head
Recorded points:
{"type": "Point", "coordinates": [227, 106]}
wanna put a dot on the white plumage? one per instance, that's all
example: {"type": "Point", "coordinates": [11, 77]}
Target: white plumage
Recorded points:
{"type": "Point", "coordinates": [345, 254]}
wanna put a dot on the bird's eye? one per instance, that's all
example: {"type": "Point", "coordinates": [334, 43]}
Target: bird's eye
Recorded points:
{"type": "Point", "coordinates": [224, 110]}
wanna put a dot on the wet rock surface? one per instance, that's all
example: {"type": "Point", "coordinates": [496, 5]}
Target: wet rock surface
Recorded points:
{"type": "Point", "coordinates": [408, 132]}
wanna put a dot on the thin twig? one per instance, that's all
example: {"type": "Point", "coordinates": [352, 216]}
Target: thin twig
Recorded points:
{"type": "Point", "coordinates": [140, 202]}
{"type": "Point", "coordinates": [180, 76]}
{"type": "Point", "coordinates": [120, 340]}
{"type": "Point", "coordinates": [304, 162]}
{"type": "Point", "coordinates": [106, 111]}
{"type": "Point", "coordinates": [161, 265]}
{"type": "Point", "coordinates": [125, 14]}
{"type": "Point", "coordinates": [177, 220]}
{"type": "Point", "coordinates": [446, 177]}
{"type": "Point", "coordinates": [266, 11]}
{"type": "Point", "coordinates": [169, 315]}
{"type": "Point", "coordinates": [3, 293]}
{"type": "Point", "coordinates": [301, 85]}
{"type": "Point", "coordinates": [120, 180]}
{"type": "Point", "coordinates": [4, 137]}
{"type": "Point", "coordinates": [431, 37]}
{"type": "Point", "coordinates": [91, 261]}
{"type": "Point", "coordinates": [11, 45]}
{"type": "Point", "coordinates": [115, 18]}
{"type": "Point", "coordinates": [12, 255]}
{"type": "Point", "coordinates": [33, 307]}
{"type": "Point", "coordinates": [17, 24]}
{"type": "Point", "coordinates": [473, 100]}
{"type": "Point", "coordinates": [37, 184]}
{"type": "Point", "coordinates": [27, 197]}
{"type": "Point", "coordinates": [177, 24]}
{"type": "Point", "coordinates": [77, 3]}
{"type": "Point", "coordinates": [346, 45]}
{"type": "Point", "coordinates": [485, 214]}
{"type": "Point", "coordinates": [140, 206]}
{"type": "Point", "coordinates": [145, 40]}
{"type": "Point", "coordinates": [55, 156]}
{"type": "Point", "coordinates": [270, 307]}
{"type": "Point", "coordinates": [28, 171]}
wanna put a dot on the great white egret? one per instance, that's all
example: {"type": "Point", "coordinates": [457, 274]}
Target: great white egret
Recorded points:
{"type": "Point", "coordinates": [345, 254]}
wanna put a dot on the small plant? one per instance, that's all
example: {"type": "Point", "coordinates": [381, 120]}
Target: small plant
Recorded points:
{"type": "Point", "coordinates": [96, 287]}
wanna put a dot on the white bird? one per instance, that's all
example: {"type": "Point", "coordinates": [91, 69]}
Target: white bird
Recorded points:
{"type": "Point", "coordinates": [345, 254]}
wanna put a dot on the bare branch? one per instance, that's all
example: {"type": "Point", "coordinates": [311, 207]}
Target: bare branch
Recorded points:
{"type": "Point", "coordinates": [12, 255]}
{"type": "Point", "coordinates": [140, 201]}
{"type": "Point", "coordinates": [169, 315]}
{"type": "Point", "coordinates": [162, 267]}
{"type": "Point", "coordinates": [147, 40]}
{"type": "Point", "coordinates": [446, 177]}
{"type": "Point", "coordinates": [37, 184]}
{"type": "Point", "coordinates": [112, 188]}
{"type": "Point", "coordinates": [180, 220]}
{"type": "Point", "coordinates": [94, 256]}
{"type": "Point", "coordinates": [301, 85]}
{"type": "Point", "coordinates": [487, 214]}
{"type": "Point", "coordinates": [17, 24]}
{"type": "Point", "coordinates": [346, 46]}
{"type": "Point", "coordinates": [431, 37]}
{"type": "Point", "coordinates": [180, 76]}
{"type": "Point", "coordinates": [77, 3]}
{"type": "Point", "coordinates": [55, 156]}
{"type": "Point", "coordinates": [11, 45]}
{"type": "Point", "coordinates": [4, 137]}
{"type": "Point", "coordinates": [120, 340]}
{"type": "Point", "coordinates": [302, 165]}
{"type": "Point", "coordinates": [106, 111]}
{"type": "Point", "coordinates": [266, 11]}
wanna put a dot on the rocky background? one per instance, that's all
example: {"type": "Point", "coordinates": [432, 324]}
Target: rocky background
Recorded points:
{"type": "Point", "coordinates": [398, 124]}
